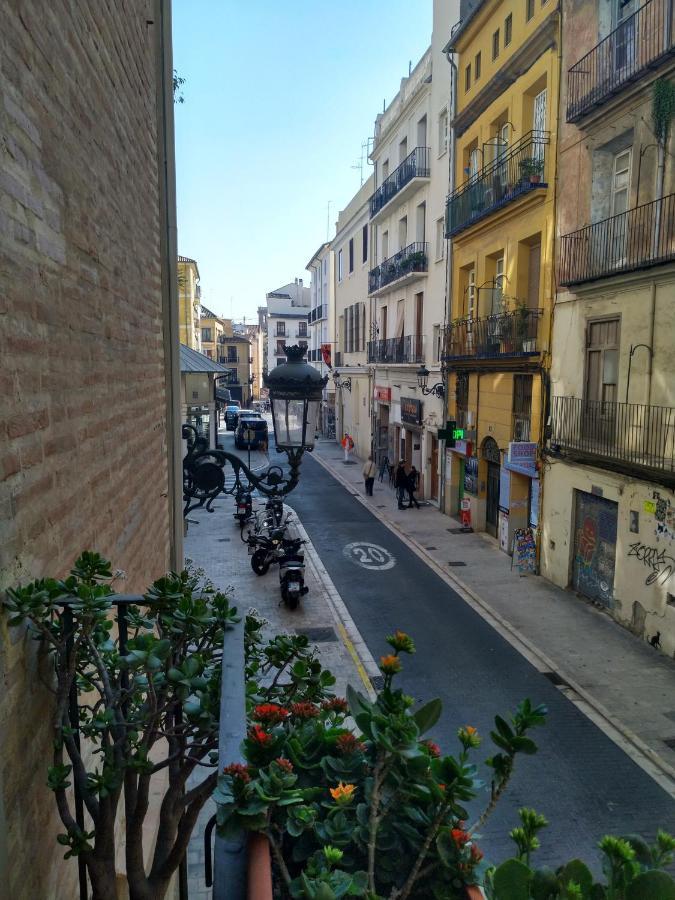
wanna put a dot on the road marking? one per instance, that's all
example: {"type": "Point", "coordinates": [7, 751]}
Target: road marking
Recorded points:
{"type": "Point", "coordinates": [369, 556]}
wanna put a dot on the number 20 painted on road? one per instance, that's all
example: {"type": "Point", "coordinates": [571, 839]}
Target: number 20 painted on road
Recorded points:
{"type": "Point", "coordinates": [369, 556]}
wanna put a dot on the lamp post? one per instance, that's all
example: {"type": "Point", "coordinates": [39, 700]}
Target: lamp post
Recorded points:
{"type": "Point", "coordinates": [295, 391]}
{"type": "Point", "coordinates": [437, 390]}
{"type": "Point", "coordinates": [344, 385]}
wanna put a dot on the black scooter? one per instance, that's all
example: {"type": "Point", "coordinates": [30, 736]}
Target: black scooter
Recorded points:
{"type": "Point", "coordinates": [266, 549]}
{"type": "Point", "coordinates": [243, 510]}
{"type": "Point", "coordinates": [292, 573]}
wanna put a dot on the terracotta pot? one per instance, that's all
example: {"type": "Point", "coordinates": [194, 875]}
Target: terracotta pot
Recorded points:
{"type": "Point", "coordinates": [259, 868]}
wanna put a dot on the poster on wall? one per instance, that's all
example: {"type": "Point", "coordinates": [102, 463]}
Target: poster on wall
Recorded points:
{"type": "Point", "coordinates": [471, 475]}
{"type": "Point", "coordinates": [524, 551]}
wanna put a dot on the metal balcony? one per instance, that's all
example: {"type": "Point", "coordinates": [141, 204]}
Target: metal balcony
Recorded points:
{"type": "Point", "coordinates": [518, 171]}
{"type": "Point", "coordinates": [415, 165]}
{"type": "Point", "coordinates": [637, 239]}
{"type": "Point", "coordinates": [319, 312]}
{"type": "Point", "coordinates": [406, 349]}
{"type": "Point", "coordinates": [404, 266]}
{"type": "Point", "coordinates": [501, 335]}
{"type": "Point", "coordinates": [638, 43]}
{"type": "Point", "coordinates": [608, 433]}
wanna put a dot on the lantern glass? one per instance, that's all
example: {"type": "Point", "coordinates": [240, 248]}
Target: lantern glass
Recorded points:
{"type": "Point", "coordinates": [422, 375]}
{"type": "Point", "coordinates": [295, 423]}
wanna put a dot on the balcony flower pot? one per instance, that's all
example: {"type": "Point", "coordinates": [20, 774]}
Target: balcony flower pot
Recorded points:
{"type": "Point", "coordinates": [531, 170]}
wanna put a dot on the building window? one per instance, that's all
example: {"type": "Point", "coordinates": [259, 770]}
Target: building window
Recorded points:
{"type": "Point", "coordinates": [437, 342]}
{"type": "Point", "coordinates": [440, 238]}
{"type": "Point", "coordinates": [340, 270]}
{"type": "Point", "coordinates": [471, 295]}
{"type": "Point", "coordinates": [529, 10]}
{"type": "Point", "coordinates": [206, 334]}
{"type": "Point", "coordinates": [351, 254]}
{"type": "Point", "coordinates": [508, 30]}
{"type": "Point", "coordinates": [281, 329]}
{"type": "Point", "coordinates": [467, 77]}
{"type": "Point", "coordinates": [602, 360]}
{"type": "Point", "coordinates": [364, 243]}
{"type": "Point", "coordinates": [522, 407]}
{"type": "Point", "coordinates": [495, 44]}
{"type": "Point", "coordinates": [232, 354]}
{"type": "Point", "coordinates": [476, 66]}
{"type": "Point", "coordinates": [302, 329]}
{"type": "Point", "coordinates": [443, 133]}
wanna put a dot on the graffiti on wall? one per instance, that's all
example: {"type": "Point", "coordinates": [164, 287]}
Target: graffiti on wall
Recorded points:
{"type": "Point", "coordinates": [660, 565]}
{"type": "Point", "coordinates": [664, 513]}
{"type": "Point", "coordinates": [595, 547]}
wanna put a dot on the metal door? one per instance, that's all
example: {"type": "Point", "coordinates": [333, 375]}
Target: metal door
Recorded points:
{"type": "Point", "coordinates": [595, 521]}
{"type": "Point", "coordinates": [492, 501]}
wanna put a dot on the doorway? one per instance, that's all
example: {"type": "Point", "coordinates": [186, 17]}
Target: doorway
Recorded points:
{"type": "Point", "coordinates": [595, 527]}
{"type": "Point", "coordinates": [492, 457]}
{"type": "Point", "coordinates": [433, 487]}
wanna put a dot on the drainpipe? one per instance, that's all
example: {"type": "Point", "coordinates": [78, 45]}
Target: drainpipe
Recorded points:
{"type": "Point", "coordinates": [447, 312]}
{"type": "Point", "coordinates": [169, 264]}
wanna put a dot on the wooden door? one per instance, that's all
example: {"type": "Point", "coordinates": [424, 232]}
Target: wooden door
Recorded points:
{"type": "Point", "coordinates": [492, 500]}
{"type": "Point", "coordinates": [433, 489]}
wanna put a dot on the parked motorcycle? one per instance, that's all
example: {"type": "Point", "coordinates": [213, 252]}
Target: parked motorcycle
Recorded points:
{"type": "Point", "coordinates": [243, 510]}
{"type": "Point", "coordinates": [266, 549]}
{"type": "Point", "coordinates": [292, 573]}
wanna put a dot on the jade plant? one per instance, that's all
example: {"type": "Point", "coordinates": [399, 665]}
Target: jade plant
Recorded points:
{"type": "Point", "coordinates": [352, 796]}
{"type": "Point", "coordinates": [632, 869]}
{"type": "Point", "coordinates": [147, 715]}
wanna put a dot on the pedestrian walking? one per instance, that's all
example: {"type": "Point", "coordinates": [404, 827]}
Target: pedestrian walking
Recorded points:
{"type": "Point", "coordinates": [401, 483]}
{"type": "Point", "coordinates": [369, 471]}
{"type": "Point", "coordinates": [411, 486]}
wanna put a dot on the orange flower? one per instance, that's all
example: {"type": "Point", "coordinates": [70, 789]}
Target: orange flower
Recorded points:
{"type": "Point", "coordinates": [259, 736]}
{"type": "Point", "coordinates": [459, 836]}
{"type": "Point", "coordinates": [237, 770]}
{"type": "Point", "coordinates": [285, 765]}
{"type": "Point", "coordinates": [469, 737]}
{"type": "Point", "coordinates": [390, 665]}
{"type": "Point", "coordinates": [304, 710]}
{"type": "Point", "coordinates": [270, 713]}
{"type": "Point", "coordinates": [343, 793]}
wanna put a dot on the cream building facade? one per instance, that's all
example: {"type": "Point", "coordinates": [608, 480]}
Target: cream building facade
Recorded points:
{"type": "Point", "coordinates": [609, 506]}
{"type": "Point", "coordinates": [353, 378]}
{"type": "Point", "coordinates": [321, 348]}
{"type": "Point", "coordinates": [189, 303]}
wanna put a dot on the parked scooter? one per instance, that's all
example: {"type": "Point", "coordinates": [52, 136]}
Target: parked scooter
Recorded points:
{"type": "Point", "coordinates": [292, 573]}
{"type": "Point", "coordinates": [266, 549]}
{"type": "Point", "coordinates": [243, 510]}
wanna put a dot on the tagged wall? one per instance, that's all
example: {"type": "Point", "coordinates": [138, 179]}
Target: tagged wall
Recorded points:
{"type": "Point", "coordinates": [644, 555]}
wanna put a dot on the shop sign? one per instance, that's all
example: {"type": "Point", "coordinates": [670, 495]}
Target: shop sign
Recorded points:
{"type": "Point", "coordinates": [522, 458]}
{"type": "Point", "coordinates": [411, 411]}
{"type": "Point", "coordinates": [464, 448]}
{"type": "Point", "coordinates": [383, 394]}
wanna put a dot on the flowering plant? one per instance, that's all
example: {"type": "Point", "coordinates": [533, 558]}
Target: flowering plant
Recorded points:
{"type": "Point", "coordinates": [367, 807]}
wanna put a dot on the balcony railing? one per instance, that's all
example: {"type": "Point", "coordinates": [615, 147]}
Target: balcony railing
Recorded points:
{"type": "Point", "coordinates": [415, 165]}
{"type": "Point", "coordinates": [637, 239]}
{"type": "Point", "coordinates": [637, 44]}
{"type": "Point", "coordinates": [319, 312]}
{"type": "Point", "coordinates": [413, 258]}
{"type": "Point", "coordinates": [503, 334]}
{"type": "Point", "coordinates": [521, 427]}
{"type": "Point", "coordinates": [406, 349]}
{"type": "Point", "coordinates": [518, 171]}
{"type": "Point", "coordinates": [630, 433]}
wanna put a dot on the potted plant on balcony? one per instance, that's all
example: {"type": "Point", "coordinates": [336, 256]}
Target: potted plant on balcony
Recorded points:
{"type": "Point", "coordinates": [417, 261]}
{"type": "Point", "coordinates": [365, 809]}
{"type": "Point", "coordinates": [526, 343]}
{"type": "Point", "coordinates": [531, 169]}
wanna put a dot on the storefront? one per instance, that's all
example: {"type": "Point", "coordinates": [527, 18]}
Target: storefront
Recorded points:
{"type": "Point", "coordinates": [519, 492]}
{"type": "Point", "coordinates": [381, 438]}
{"type": "Point", "coordinates": [411, 436]}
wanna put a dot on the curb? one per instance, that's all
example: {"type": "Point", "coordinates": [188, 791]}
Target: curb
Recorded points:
{"type": "Point", "coordinates": [349, 633]}
{"type": "Point", "coordinates": [648, 760]}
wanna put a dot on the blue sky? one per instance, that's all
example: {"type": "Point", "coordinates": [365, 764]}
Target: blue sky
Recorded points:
{"type": "Point", "coordinates": [278, 100]}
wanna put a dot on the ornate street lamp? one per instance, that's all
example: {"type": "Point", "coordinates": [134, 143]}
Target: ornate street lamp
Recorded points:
{"type": "Point", "coordinates": [345, 385]}
{"type": "Point", "coordinates": [437, 390]}
{"type": "Point", "coordinates": [295, 391]}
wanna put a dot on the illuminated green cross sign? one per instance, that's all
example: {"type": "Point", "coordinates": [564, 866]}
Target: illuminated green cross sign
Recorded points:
{"type": "Point", "coordinates": [451, 433]}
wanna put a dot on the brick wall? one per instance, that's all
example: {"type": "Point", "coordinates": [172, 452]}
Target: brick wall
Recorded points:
{"type": "Point", "coordinates": [82, 386]}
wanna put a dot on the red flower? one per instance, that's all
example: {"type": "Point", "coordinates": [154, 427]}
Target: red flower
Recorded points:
{"type": "Point", "coordinates": [433, 749]}
{"type": "Point", "coordinates": [460, 837]}
{"type": "Point", "coordinates": [237, 770]}
{"type": "Point", "coordinates": [304, 710]}
{"type": "Point", "coordinates": [285, 765]}
{"type": "Point", "coordinates": [259, 736]}
{"type": "Point", "coordinates": [347, 744]}
{"type": "Point", "coordinates": [336, 704]}
{"type": "Point", "coordinates": [270, 713]}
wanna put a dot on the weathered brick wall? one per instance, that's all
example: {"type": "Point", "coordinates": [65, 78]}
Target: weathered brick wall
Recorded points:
{"type": "Point", "coordinates": [82, 392]}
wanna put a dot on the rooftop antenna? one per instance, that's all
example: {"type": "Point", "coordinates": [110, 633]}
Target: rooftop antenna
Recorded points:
{"type": "Point", "coordinates": [365, 153]}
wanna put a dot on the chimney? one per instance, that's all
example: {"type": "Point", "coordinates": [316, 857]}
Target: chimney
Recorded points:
{"type": "Point", "coordinates": [300, 282]}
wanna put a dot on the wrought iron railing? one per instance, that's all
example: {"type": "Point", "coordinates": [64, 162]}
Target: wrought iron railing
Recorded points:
{"type": "Point", "coordinates": [515, 172]}
{"type": "Point", "coordinates": [637, 239]}
{"type": "Point", "coordinates": [520, 427]}
{"type": "Point", "coordinates": [635, 45]}
{"type": "Point", "coordinates": [413, 258]}
{"type": "Point", "coordinates": [504, 334]}
{"type": "Point", "coordinates": [415, 165]}
{"type": "Point", "coordinates": [319, 312]}
{"type": "Point", "coordinates": [406, 349]}
{"type": "Point", "coordinates": [631, 433]}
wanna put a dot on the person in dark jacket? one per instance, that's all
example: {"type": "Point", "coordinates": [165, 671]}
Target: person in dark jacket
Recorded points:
{"type": "Point", "coordinates": [412, 484]}
{"type": "Point", "coordinates": [401, 483]}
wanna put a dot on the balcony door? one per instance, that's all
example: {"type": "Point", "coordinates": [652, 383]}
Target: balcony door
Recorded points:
{"type": "Point", "coordinates": [602, 369]}
{"type": "Point", "coordinates": [619, 202]}
{"type": "Point", "coordinates": [539, 124]}
{"type": "Point", "coordinates": [624, 37]}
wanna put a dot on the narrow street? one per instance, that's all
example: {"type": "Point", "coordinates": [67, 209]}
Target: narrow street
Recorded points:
{"type": "Point", "coordinates": [582, 782]}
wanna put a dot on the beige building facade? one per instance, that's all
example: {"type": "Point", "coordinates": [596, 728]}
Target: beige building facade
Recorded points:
{"type": "Point", "coordinates": [352, 376]}
{"type": "Point", "coordinates": [189, 302]}
{"type": "Point", "coordinates": [609, 507]}
{"type": "Point", "coordinates": [321, 347]}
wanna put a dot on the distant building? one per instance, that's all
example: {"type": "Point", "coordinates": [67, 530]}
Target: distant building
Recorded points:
{"type": "Point", "coordinates": [221, 344]}
{"type": "Point", "coordinates": [321, 351]}
{"type": "Point", "coordinates": [189, 297]}
{"type": "Point", "coordinates": [288, 309]}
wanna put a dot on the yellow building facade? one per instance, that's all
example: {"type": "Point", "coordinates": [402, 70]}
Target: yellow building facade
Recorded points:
{"type": "Point", "coordinates": [189, 302]}
{"type": "Point", "coordinates": [232, 350]}
{"type": "Point", "coordinates": [500, 218]}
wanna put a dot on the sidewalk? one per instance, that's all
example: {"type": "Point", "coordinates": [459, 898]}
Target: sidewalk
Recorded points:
{"type": "Point", "coordinates": [620, 682]}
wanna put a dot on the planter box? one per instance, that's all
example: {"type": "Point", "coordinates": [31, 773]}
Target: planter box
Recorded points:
{"type": "Point", "coordinates": [260, 871]}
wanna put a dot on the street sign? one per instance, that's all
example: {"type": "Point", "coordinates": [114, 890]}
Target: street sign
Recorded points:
{"type": "Point", "coordinates": [451, 433]}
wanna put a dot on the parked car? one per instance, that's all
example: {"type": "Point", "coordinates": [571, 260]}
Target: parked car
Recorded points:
{"type": "Point", "coordinates": [231, 416]}
{"type": "Point", "coordinates": [251, 433]}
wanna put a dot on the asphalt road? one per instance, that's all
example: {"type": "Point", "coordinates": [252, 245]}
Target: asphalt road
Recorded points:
{"type": "Point", "coordinates": [584, 784]}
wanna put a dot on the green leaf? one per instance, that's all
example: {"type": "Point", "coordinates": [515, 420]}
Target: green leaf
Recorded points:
{"type": "Point", "coordinates": [427, 716]}
{"type": "Point", "coordinates": [504, 728]}
{"type": "Point", "coordinates": [578, 872]}
{"type": "Point", "coordinates": [512, 880]}
{"type": "Point", "coordinates": [544, 884]}
{"type": "Point", "coordinates": [652, 885]}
